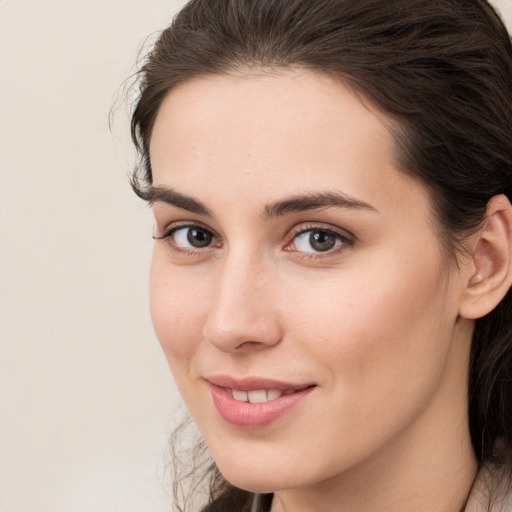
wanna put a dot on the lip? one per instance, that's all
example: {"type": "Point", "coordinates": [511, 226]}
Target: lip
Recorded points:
{"type": "Point", "coordinates": [248, 415]}
{"type": "Point", "coordinates": [251, 383]}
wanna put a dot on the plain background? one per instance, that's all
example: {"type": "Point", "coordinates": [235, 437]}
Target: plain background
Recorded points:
{"type": "Point", "coordinates": [86, 399]}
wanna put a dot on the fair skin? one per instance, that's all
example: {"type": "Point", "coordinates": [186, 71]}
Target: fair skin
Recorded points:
{"type": "Point", "coordinates": [370, 314]}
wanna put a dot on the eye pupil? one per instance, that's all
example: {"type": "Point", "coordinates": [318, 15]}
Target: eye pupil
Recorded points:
{"type": "Point", "coordinates": [322, 241]}
{"type": "Point", "coordinates": [199, 237]}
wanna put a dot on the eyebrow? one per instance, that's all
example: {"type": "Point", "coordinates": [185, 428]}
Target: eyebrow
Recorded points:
{"type": "Point", "coordinates": [294, 204]}
{"type": "Point", "coordinates": [169, 196]}
{"type": "Point", "coordinates": [312, 201]}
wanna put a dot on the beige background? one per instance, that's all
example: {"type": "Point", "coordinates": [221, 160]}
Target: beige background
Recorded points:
{"type": "Point", "coordinates": [86, 399]}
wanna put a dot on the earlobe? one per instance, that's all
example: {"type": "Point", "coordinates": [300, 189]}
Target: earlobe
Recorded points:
{"type": "Point", "coordinates": [491, 269]}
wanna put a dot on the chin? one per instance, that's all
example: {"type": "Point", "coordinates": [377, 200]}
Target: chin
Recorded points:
{"type": "Point", "coordinates": [257, 483]}
{"type": "Point", "coordinates": [261, 476]}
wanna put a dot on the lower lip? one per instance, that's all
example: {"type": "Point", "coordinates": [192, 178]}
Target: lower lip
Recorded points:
{"type": "Point", "coordinates": [252, 416]}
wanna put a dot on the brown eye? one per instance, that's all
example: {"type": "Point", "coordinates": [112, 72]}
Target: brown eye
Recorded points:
{"type": "Point", "coordinates": [192, 237]}
{"type": "Point", "coordinates": [321, 241]}
{"type": "Point", "coordinates": [199, 237]}
{"type": "Point", "coordinates": [318, 240]}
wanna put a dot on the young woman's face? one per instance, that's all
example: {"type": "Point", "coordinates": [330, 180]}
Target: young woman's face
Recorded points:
{"type": "Point", "coordinates": [298, 284]}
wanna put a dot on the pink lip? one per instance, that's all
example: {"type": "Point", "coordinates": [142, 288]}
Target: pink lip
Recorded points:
{"type": "Point", "coordinates": [246, 414]}
{"type": "Point", "coordinates": [251, 383]}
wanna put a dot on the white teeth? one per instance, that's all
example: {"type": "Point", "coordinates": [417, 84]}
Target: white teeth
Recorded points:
{"type": "Point", "coordinates": [259, 396]}
{"type": "Point", "coordinates": [241, 396]}
{"type": "Point", "coordinates": [272, 394]}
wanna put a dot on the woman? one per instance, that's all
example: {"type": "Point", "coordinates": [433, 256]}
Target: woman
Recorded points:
{"type": "Point", "coordinates": [330, 182]}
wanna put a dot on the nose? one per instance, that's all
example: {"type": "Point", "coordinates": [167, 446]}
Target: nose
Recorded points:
{"type": "Point", "coordinates": [243, 315]}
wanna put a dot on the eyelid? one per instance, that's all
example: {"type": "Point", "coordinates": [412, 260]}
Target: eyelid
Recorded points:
{"type": "Point", "coordinates": [320, 226]}
{"type": "Point", "coordinates": [168, 230]}
{"type": "Point", "coordinates": [190, 253]}
{"type": "Point", "coordinates": [347, 238]}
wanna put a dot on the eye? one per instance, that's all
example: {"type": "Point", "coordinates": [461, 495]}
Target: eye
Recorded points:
{"type": "Point", "coordinates": [188, 237]}
{"type": "Point", "coordinates": [318, 240]}
{"type": "Point", "coordinates": [192, 237]}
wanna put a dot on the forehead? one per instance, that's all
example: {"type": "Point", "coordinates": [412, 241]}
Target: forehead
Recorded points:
{"type": "Point", "coordinates": [291, 128]}
{"type": "Point", "coordinates": [295, 104]}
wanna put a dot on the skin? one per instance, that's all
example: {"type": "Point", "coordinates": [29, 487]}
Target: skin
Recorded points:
{"type": "Point", "coordinates": [375, 322]}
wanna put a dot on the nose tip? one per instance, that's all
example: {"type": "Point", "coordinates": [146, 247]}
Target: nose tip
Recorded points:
{"type": "Point", "coordinates": [237, 333]}
{"type": "Point", "coordinates": [243, 315]}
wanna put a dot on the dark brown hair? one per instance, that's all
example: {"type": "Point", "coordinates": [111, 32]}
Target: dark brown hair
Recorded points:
{"type": "Point", "coordinates": [441, 69]}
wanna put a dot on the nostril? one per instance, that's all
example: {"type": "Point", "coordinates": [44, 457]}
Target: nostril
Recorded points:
{"type": "Point", "coordinates": [248, 345]}
{"type": "Point", "coordinates": [243, 338]}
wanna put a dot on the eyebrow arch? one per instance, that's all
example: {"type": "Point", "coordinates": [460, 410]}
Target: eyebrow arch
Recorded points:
{"type": "Point", "coordinates": [313, 201]}
{"type": "Point", "coordinates": [294, 204]}
{"type": "Point", "coordinates": [166, 195]}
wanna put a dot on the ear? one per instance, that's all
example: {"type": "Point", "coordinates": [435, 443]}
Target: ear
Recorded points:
{"type": "Point", "coordinates": [489, 274]}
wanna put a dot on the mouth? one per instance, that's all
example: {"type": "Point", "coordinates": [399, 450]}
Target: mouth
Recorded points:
{"type": "Point", "coordinates": [259, 396]}
{"type": "Point", "coordinates": [254, 402]}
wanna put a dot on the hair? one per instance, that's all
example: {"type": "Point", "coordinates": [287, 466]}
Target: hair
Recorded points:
{"type": "Point", "coordinates": [440, 69]}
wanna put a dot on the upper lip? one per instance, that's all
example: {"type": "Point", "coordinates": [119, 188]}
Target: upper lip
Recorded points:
{"type": "Point", "coordinates": [253, 383]}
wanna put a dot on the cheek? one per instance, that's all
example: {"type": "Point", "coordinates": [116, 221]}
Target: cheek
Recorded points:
{"type": "Point", "coordinates": [176, 310]}
{"type": "Point", "coordinates": [376, 331]}
{"type": "Point", "coordinates": [380, 347]}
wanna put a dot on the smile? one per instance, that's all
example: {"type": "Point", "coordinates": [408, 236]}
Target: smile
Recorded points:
{"type": "Point", "coordinates": [253, 403]}
{"type": "Point", "coordinates": [259, 396]}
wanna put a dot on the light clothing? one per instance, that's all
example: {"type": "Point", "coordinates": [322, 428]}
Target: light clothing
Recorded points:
{"type": "Point", "coordinates": [491, 492]}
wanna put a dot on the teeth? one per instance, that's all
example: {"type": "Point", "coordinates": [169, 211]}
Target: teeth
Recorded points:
{"type": "Point", "coordinates": [241, 396]}
{"type": "Point", "coordinates": [259, 396]}
{"type": "Point", "coordinates": [272, 394]}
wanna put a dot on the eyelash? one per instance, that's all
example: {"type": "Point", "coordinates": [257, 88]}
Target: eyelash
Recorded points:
{"type": "Point", "coordinates": [343, 240]}
{"type": "Point", "coordinates": [169, 232]}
